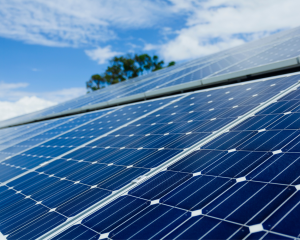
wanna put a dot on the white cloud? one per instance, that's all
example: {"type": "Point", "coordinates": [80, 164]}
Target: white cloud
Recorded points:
{"type": "Point", "coordinates": [62, 95]}
{"type": "Point", "coordinates": [15, 100]}
{"type": "Point", "coordinates": [215, 25]}
{"type": "Point", "coordinates": [149, 47]}
{"type": "Point", "coordinates": [7, 86]}
{"type": "Point", "coordinates": [23, 106]}
{"type": "Point", "coordinates": [75, 22]}
{"type": "Point", "coordinates": [101, 55]}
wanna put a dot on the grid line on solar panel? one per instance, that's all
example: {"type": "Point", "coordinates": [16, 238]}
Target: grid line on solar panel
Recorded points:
{"type": "Point", "coordinates": [50, 132]}
{"type": "Point", "coordinates": [60, 156]}
{"type": "Point", "coordinates": [213, 73]}
{"type": "Point", "coordinates": [40, 128]}
{"type": "Point", "coordinates": [141, 115]}
{"type": "Point", "coordinates": [281, 94]}
{"type": "Point", "coordinates": [280, 184]}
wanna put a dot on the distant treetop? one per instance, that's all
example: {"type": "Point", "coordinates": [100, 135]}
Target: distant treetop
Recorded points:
{"type": "Point", "coordinates": [125, 67]}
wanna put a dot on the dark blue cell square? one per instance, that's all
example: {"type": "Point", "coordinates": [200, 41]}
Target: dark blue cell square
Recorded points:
{"type": "Point", "coordinates": [255, 236]}
{"type": "Point", "coordinates": [286, 219]}
{"type": "Point", "coordinates": [85, 172]}
{"type": "Point", "coordinates": [266, 236]}
{"type": "Point", "coordinates": [257, 122]}
{"type": "Point", "coordinates": [115, 213]}
{"type": "Point", "coordinates": [280, 107]}
{"type": "Point", "coordinates": [10, 198]}
{"type": "Point", "coordinates": [289, 121]}
{"type": "Point", "coordinates": [7, 172]}
{"type": "Point", "coordinates": [56, 166]}
{"type": "Point", "coordinates": [11, 209]}
{"type": "Point", "coordinates": [273, 236]}
{"type": "Point", "coordinates": [77, 232]}
{"type": "Point", "coordinates": [248, 202]}
{"type": "Point", "coordinates": [21, 180]}
{"type": "Point", "coordinates": [280, 168]}
{"type": "Point", "coordinates": [159, 185]}
{"type": "Point", "coordinates": [118, 156]}
{"type": "Point", "coordinates": [38, 227]}
{"type": "Point", "coordinates": [269, 140]}
{"type": "Point", "coordinates": [10, 225]}
{"type": "Point", "coordinates": [197, 161]}
{"type": "Point", "coordinates": [186, 141]}
{"type": "Point", "coordinates": [121, 179]}
{"type": "Point", "coordinates": [201, 227]}
{"type": "Point", "coordinates": [237, 164]}
{"type": "Point", "coordinates": [72, 169]}
{"type": "Point", "coordinates": [82, 201]}
{"type": "Point", "coordinates": [292, 95]}
{"type": "Point", "coordinates": [38, 186]}
{"type": "Point", "coordinates": [229, 140]}
{"type": "Point", "coordinates": [102, 175]}
{"type": "Point", "coordinates": [293, 145]}
{"type": "Point", "coordinates": [155, 158]}
{"type": "Point", "coordinates": [154, 222]}
{"type": "Point", "coordinates": [59, 193]}
{"type": "Point", "coordinates": [136, 156]}
{"type": "Point", "coordinates": [197, 192]}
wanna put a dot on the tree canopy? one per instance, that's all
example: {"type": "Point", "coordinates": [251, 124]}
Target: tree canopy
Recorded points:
{"type": "Point", "coordinates": [125, 67]}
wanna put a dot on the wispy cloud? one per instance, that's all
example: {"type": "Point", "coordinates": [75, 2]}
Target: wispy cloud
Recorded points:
{"type": "Point", "coordinates": [215, 25]}
{"type": "Point", "coordinates": [22, 106]}
{"type": "Point", "coordinates": [75, 22]}
{"type": "Point", "coordinates": [102, 55]}
{"type": "Point", "coordinates": [8, 86]}
{"type": "Point", "coordinates": [15, 100]}
{"type": "Point", "coordinates": [13, 92]}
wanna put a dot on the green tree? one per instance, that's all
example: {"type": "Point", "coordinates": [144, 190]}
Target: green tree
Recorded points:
{"type": "Point", "coordinates": [125, 67]}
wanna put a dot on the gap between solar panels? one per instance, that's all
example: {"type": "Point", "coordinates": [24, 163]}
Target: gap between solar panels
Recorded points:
{"type": "Point", "coordinates": [124, 190]}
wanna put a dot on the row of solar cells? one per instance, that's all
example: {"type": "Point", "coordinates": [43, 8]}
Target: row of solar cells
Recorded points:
{"type": "Point", "coordinates": [244, 178]}
{"type": "Point", "coordinates": [69, 173]}
{"type": "Point", "coordinates": [276, 48]}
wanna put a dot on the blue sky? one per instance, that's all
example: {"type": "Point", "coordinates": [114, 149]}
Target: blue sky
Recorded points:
{"type": "Point", "coordinates": [48, 49]}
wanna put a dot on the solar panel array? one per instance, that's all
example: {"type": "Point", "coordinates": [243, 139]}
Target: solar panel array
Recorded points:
{"type": "Point", "coordinates": [278, 47]}
{"type": "Point", "coordinates": [136, 171]}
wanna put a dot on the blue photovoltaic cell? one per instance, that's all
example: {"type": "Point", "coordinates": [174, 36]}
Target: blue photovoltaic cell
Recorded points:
{"type": "Point", "coordinates": [208, 228]}
{"type": "Point", "coordinates": [266, 236]}
{"type": "Point", "coordinates": [78, 232]}
{"type": "Point", "coordinates": [115, 213]}
{"type": "Point", "coordinates": [154, 221]}
{"type": "Point", "coordinates": [159, 185]}
{"type": "Point", "coordinates": [285, 220]}
{"type": "Point", "coordinates": [230, 205]}
{"type": "Point", "coordinates": [197, 192]}
{"type": "Point", "coordinates": [43, 134]}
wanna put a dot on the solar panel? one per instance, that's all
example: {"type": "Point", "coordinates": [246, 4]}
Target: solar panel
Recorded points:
{"type": "Point", "coordinates": [63, 179]}
{"type": "Point", "coordinates": [242, 184]}
{"type": "Point", "coordinates": [279, 49]}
